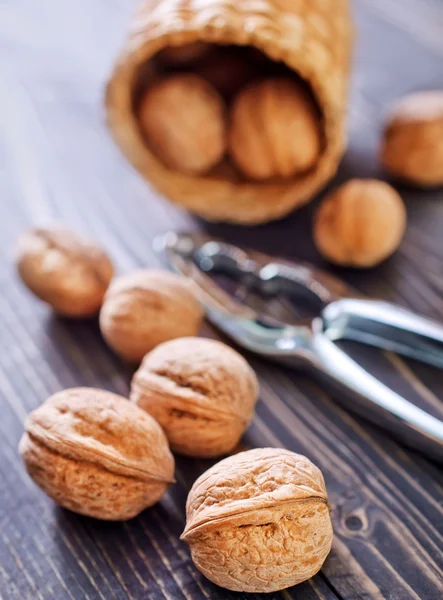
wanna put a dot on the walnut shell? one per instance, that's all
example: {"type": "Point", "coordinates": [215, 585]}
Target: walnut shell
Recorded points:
{"type": "Point", "coordinates": [184, 54]}
{"type": "Point", "coordinates": [144, 309]}
{"type": "Point", "coordinates": [227, 71]}
{"type": "Point", "coordinates": [360, 224]}
{"type": "Point", "coordinates": [97, 454]}
{"type": "Point", "coordinates": [259, 521]}
{"type": "Point", "coordinates": [201, 392]}
{"type": "Point", "coordinates": [413, 139]}
{"type": "Point", "coordinates": [275, 129]}
{"type": "Point", "coordinates": [69, 272]}
{"type": "Point", "coordinates": [184, 122]}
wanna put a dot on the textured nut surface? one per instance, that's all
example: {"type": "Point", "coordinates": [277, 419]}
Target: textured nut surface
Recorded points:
{"type": "Point", "coordinates": [97, 454]}
{"type": "Point", "coordinates": [184, 123]}
{"type": "Point", "coordinates": [259, 521]}
{"type": "Point", "coordinates": [69, 272]}
{"type": "Point", "coordinates": [413, 140]}
{"type": "Point", "coordinates": [360, 224]}
{"type": "Point", "coordinates": [201, 392]}
{"type": "Point", "coordinates": [275, 129]}
{"type": "Point", "coordinates": [144, 309]}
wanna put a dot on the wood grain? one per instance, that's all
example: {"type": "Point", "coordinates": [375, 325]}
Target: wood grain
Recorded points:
{"type": "Point", "coordinates": [57, 161]}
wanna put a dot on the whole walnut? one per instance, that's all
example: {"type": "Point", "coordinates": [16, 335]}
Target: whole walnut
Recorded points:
{"type": "Point", "coordinates": [145, 308]}
{"type": "Point", "coordinates": [227, 71]}
{"type": "Point", "coordinates": [274, 130]}
{"type": "Point", "coordinates": [184, 54]}
{"type": "Point", "coordinates": [413, 139]}
{"type": "Point", "coordinates": [202, 393]}
{"type": "Point", "coordinates": [69, 272]}
{"type": "Point", "coordinates": [97, 454]}
{"type": "Point", "coordinates": [259, 521]}
{"type": "Point", "coordinates": [183, 119]}
{"type": "Point", "coordinates": [360, 224]}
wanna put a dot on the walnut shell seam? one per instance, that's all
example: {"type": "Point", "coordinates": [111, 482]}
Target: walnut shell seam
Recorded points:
{"type": "Point", "coordinates": [80, 255]}
{"type": "Point", "coordinates": [204, 409]}
{"type": "Point", "coordinates": [228, 515]}
{"type": "Point", "coordinates": [69, 449]}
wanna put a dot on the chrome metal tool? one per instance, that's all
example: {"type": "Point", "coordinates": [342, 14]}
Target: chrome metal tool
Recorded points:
{"type": "Point", "coordinates": [311, 342]}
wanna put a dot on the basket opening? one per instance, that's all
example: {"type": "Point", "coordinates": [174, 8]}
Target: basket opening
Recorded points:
{"type": "Point", "coordinates": [228, 68]}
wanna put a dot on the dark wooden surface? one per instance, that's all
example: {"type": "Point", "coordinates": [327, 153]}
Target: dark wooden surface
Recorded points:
{"type": "Point", "coordinates": [58, 161]}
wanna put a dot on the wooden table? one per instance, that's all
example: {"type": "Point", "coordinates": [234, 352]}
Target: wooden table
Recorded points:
{"type": "Point", "coordinates": [57, 160]}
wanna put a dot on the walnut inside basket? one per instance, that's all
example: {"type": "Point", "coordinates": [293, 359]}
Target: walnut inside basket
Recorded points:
{"type": "Point", "coordinates": [310, 41]}
{"type": "Point", "coordinates": [227, 113]}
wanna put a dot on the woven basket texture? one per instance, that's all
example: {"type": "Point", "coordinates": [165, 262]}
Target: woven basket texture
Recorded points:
{"type": "Point", "coordinates": [312, 37]}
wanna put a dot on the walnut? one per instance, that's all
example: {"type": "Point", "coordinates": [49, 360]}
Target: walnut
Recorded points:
{"type": "Point", "coordinates": [275, 129]}
{"type": "Point", "coordinates": [360, 224]}
{"type": "Point", "coordinates": [413, 140]}
{"type": "Point", "coordinates": [227, 71]}
{"type": "Point", "coordinates": [144, 309]}
{"type": "Point", "coordinates": [259, 521]}
{"type": "Point", "coordinates": [184, 54]}
{"type": "Point", "coordinates": [69, 272]}
{"type": "Point", "coordinates": [201, 392]}
{"type": "Point", "coordinates": [183, 119]}
{"type": "Point", "coordinates": [97, 454]}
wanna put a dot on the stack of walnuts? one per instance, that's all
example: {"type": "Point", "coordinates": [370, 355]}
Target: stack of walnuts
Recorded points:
{"type": "Point", "coordinates": [107, 457]}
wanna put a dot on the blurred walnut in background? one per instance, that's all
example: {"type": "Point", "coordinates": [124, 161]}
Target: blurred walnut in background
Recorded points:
{"type": "Point", "coordinates": [182, 55]}
{"type": "Point", "coordinates": [360, 224]}
{"type": "Point", "coordinates": [229, 69]}
{"type": "Point", "coordinates": [68, 271]}
{"type": "Point", "coordinates": [412, 147]}
{"type": "Point", "coordinates": [145, 308]}
{"type": "Point", "coordinates": [275, 129]}
{"type": "Point", "coordinates": [183, 118]}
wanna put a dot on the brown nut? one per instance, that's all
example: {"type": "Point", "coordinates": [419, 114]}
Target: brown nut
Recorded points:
{"type": "Point", "coordinates": [227, 71]}
{"type": "Point", "coordinates": [413, 140]}
{"type": "Point", "coordinates": [69, 272]}
{"type": "Point", "coordinates": [201, 392]}
{"type": "Point", "coordinates": [360, 224]}
{"type": "Point", "coordinates": [144, 309]}
{"type": "Point", "coordinates": [259, 521]}
{"type": "Point", "coordinates": [97, 454]}
{"type": "Point", "coordinates": [177, 56]}
{"type": "Point", "coordinates": [275, 129]}
{"type": "Point", "coordinates": [184, 123]}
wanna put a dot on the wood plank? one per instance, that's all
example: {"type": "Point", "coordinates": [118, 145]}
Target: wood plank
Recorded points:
{"type": "Point", "coordinates": [57, 160]}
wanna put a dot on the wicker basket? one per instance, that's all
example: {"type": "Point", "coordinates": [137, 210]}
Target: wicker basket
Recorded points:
{"type": "Point", "coordinates": [312, 37]}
